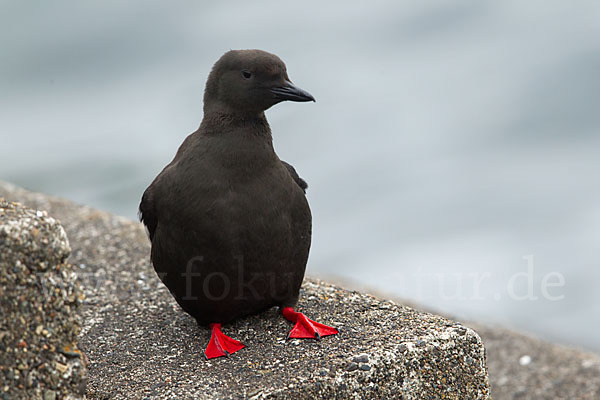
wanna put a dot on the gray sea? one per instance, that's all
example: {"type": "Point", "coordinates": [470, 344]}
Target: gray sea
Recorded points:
{"type": "Point", "coordinates": [452, 154]}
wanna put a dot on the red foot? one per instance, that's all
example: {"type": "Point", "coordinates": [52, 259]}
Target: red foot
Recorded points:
{"type": "Point", "coordinates": [305, 328]}
{"type": "Point", "coordinates": [220, 344]}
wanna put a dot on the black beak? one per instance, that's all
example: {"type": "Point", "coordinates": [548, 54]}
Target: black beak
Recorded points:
{"type": "Point", "coordinates": [292, 93]}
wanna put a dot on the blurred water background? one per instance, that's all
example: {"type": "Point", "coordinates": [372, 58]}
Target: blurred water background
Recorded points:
{"type": "Point", "coordinates": [452, 154]}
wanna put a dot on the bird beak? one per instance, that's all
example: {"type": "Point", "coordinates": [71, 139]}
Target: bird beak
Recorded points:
{"type": "Point", "coordinates": [292, 93]}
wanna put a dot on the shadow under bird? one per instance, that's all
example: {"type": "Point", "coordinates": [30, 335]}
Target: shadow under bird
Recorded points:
{"type": "Point", "coordinates": [229, 222]}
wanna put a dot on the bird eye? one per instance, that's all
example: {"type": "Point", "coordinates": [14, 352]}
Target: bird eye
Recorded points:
{"type": "Point", "coordinates": [246, 74]}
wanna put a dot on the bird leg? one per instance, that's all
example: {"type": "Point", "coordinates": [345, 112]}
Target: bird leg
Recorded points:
{"type": "Point", "coordinates": [305, 328]}
{"type": "Point", "coordinates": [220, 344]}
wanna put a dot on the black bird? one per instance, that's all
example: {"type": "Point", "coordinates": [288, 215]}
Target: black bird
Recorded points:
{"type": "Point", "coordinates": [229, 222]}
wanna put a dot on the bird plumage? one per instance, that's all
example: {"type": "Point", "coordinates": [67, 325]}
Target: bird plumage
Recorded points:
{"type": "Point", "coordinates": [229, 222]}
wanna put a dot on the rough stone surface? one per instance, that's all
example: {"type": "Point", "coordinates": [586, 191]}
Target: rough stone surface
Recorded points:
{"type": "Point", "coordinates": [141, 345]}
{"type": "Point", "coordinates": [523, 367]}
{"type": "Point", "coordinates": [38, 298]}
{"type": "Point", "coordinates": [554, 372]}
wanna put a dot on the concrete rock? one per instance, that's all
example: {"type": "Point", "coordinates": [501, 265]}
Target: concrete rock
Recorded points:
{"type": "Point", "coordinates": [141, 345]}
{"type": "Point", "coordinates": [38, 298]}
{"type": "Point", "coordinates": [523, 367]}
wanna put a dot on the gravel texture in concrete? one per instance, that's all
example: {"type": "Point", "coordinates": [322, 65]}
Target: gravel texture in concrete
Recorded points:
{"type": "Point", "coordinates": [520, 366]}
{"type": "Point", "coordinates": [523, 367]}
{"type": "Point", "coordinates": [141, 345]}
{"type": "Point", "coordinates": [38, 298]}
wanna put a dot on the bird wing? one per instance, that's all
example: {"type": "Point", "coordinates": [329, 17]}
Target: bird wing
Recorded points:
{"type": "Point", "coordinates": [147, 212]}
{"type": "Point", "coordinates": [301, 182]}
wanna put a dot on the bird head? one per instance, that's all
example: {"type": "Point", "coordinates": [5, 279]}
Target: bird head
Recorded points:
{"type": "Point", "coordinates": [249, 82]}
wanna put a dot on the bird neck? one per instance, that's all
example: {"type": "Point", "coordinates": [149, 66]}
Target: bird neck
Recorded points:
{"type": "Point", "coordinates": [221, 121]}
